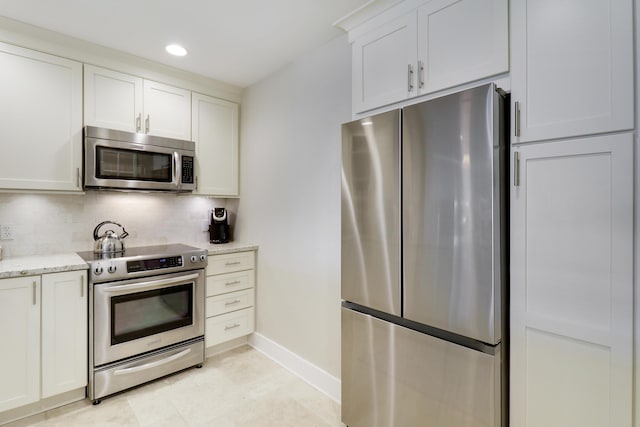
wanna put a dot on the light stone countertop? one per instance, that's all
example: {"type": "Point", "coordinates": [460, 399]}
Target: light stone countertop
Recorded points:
{"type": "Point", "coordinates": [224, 248]}
{"type": "Point", "coordinates": [43, 264]}
{"type": "Point", "coordinates": [40, 264]}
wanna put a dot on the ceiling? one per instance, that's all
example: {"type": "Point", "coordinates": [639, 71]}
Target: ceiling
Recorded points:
{"type": "Point", "coordinates": [234, 41]}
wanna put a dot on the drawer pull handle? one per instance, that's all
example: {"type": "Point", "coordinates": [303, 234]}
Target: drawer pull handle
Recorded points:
{"type": "Point", "coordinates": [235, 282]}
{"type": "Point", "coordinates": [235, 325]}
{"type": "Point", "coordinates": [232, 263]}
{"type": "Point", "coordinates": [232, 302]}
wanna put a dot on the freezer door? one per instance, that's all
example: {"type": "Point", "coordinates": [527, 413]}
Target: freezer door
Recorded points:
{"type": "Point", "coordinates": [394, 376]}
{"type": "Point", "coordinates": [371, 212]}
{"type": "Point", "coordinates": [452, 209]}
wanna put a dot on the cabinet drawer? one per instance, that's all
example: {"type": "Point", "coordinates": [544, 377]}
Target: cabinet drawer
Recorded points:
{"type": "Point", "coordinates": [229, 302]}
{"type": "Point", "coordinates": [231, 282]}
{"type": "Point", "coordinates": [227, 263]}
{"type": "Point", "coordinates": [228, 326]}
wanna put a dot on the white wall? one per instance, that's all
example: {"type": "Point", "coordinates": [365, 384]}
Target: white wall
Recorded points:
{"type": "Point", "coordinates": [47, 224]}
{"type": "Point", "coordinates": [290, 199]}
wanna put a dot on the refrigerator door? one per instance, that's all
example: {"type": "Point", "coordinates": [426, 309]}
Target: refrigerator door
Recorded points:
{"type": "Point", "coordinates": [371, 212]}
{"type": "Point", "coordinates": [394, 376]}
{"type": "Point", "coordinates": [451, 211]}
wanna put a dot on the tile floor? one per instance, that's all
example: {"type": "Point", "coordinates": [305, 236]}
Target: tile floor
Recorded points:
{"type": "Point", "coordinates": [241, 387]}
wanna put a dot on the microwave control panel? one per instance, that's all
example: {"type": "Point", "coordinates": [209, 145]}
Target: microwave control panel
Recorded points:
{"type": "Point", "coordinates": [187, 170]}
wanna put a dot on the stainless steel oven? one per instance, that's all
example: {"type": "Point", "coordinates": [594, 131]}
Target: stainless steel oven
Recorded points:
{"type": "Point", "coordinates": [146, 315]}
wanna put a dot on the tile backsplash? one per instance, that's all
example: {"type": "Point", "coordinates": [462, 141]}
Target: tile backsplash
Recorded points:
{"type": "Point", "coordinates": [47, 224]}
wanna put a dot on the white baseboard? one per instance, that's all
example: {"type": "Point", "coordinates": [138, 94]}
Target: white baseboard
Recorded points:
{"type": "Point", "coordinates": [317, 377]}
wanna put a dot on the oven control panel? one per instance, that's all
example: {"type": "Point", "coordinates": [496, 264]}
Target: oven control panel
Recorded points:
{"type": "Point", "coordinates": [143, 261]}
{"type": "Point", "coordinates": [154, 264]}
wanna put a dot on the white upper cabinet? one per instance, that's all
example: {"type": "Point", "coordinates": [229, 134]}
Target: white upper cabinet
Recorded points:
{"type": "Point", "coordinates": [440, 44]}
{"type": "Point", "coordinates": [572, 284]}
{"type": "Point", "coordinates": [121, 101]}
{"type": "Point", "coordinates": [461, 41]}
{"type": "Point", "coordinates": [167, 111]}
{"type": "Point", "coordinates": [40, 121]}
{"type": "Point", "coordinates": [384, 64]}
{"type": "Point", "coordinates": [215, 132]}
{"type": "Point", "coordinates": [572, 68]}
{"type": "Point", "coordinates": [112, 100]}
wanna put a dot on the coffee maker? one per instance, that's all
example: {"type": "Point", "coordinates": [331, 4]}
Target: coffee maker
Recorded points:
{"type": "Point", "coordinates": [219, 227]}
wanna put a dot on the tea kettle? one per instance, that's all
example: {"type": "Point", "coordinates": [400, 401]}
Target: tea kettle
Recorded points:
{"type": "Point", "coordinates": [109, 242]}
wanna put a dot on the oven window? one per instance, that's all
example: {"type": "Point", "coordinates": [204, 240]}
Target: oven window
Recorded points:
{"type": "Point", "coordinates": [147, 313]}
{"type": "Point", "coordinates": [117, 163]}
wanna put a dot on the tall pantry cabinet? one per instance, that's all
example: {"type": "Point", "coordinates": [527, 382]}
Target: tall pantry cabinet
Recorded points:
{"type": "Point", "coordinates": [572, 204]}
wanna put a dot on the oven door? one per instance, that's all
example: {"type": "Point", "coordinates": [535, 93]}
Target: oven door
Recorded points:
{"type": "Point", "coordinates": [132, 317]}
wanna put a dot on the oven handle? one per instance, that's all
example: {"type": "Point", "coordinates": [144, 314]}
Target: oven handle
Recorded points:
{"type": "Point", "coordinates": [152, 364]}
{"type": "Point", "coordinates": [143, 286]}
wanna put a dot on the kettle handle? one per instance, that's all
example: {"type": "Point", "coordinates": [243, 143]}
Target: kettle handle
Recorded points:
{"type": "Point", "coordinates": [95, 230]}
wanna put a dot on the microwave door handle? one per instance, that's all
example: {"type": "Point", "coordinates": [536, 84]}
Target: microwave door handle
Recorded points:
{"type": "Point", "coordinates": [144, 286]}
{"type": "Point", "coordinates": [177, 178]}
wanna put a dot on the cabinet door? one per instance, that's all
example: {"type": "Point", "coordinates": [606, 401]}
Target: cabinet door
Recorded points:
{"type": "Point", "coordinates": [461, 41]}
{"type": "Point", "coordinates": [40, 121]}
{"type": "Point", "coordinates": [215, 132]}
{"type": "Point", "coordinates": [64, 332]}
{"type": "Point", "coordinates": [572, 68]}
{"type": "Point", "coordinates": [167, 111]}
{"type": "Point", "coordinates": [384, 64]}
{"type": "Point", "coordinates": [112, 100]}
{"type": "Point", "coordinates": [20, 338]}
{"type": "Point", "coordinates": [572, 284]}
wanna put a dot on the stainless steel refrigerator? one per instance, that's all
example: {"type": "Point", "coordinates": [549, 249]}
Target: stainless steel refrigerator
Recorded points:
{"type": "Point", "coordinates": [424, 264]}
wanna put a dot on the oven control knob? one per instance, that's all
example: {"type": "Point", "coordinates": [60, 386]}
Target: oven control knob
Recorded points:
{"type": "Point", "coordinates": [194, 258]}
{"type": "Point", "coordinates": [203, 258]}
{"type": "Point", "coordinates": [98, 270]}
{"type": "Point", "coordinates": [112, 269]}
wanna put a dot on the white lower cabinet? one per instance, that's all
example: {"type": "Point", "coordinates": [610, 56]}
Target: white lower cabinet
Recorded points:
{"type": "Point", "coordinates": [64, 332]}
{"type": "Point", "coordinates": [43, 330]}
{"type": "Point", "coordinates": [20, 338]}
{"type": "Point", "coordinates": [230, 299]}
{"type": "Point", "coordinates": [572, 283]}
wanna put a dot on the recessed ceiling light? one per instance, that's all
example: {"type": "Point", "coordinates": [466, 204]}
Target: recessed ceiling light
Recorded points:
{"type": "Point", "coordinates": [176, 49]}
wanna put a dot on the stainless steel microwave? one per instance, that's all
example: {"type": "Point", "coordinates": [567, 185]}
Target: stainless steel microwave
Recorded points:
{"type": "Point", "coordinates": [117, 160]}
